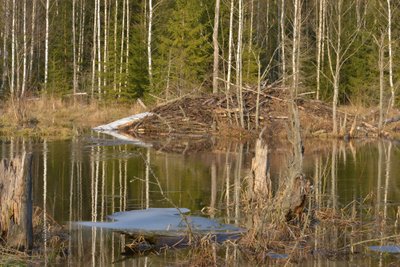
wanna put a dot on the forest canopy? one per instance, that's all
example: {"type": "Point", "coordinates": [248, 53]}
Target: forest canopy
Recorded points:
{"type": "Point", "coordinates": [121, 50]}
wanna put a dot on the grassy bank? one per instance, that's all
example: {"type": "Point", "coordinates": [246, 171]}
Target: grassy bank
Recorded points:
{"type": "Point", "coordinates": [57, 118]}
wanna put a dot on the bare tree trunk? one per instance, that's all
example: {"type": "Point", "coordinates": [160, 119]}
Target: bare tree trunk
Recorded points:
{"type": "Point", "coordinates": [46, 53]}
{"type": "Point", "coordinates": [122, 46]}
{"type": "Point", "coordinates": [94, 47]}
{"type": "Point", "coordinates": [115, 45]}
{"type": "Point", "coordinates": [216, 47]}
{"type": "Point", "coordinates": [149, 36]}
{"type": "Point", "coordinates": [319, 44]}
{"type": "Point", "coordinates": [99, 68]}
{"type": "Point", "coordinates": [25, 52]}
{"type": "Point", "coordinates": [336, 76]}
{"type": "Point", "coordinates": [127, 42]}
{"type": "Point", "coordinates": [340, 50]}
{"type": "Point", "coordinates": [75, 81]}
{"type": "Point", "coordinates": [105, 46]}
{"type": "Point", "coordinates": [12, 89]}
{"type": "Point", "coordinates": [33, 23]}
{"type": "Point", "coordinates": [258, 91]}
{"type": "Point", "coordinates": [239, 88]}
{"type": "Point", "coordinates": [5, 52]}
{"type": "Point", "coordinates": [230, 44]}
{"type": "Point", "coordinates": [295, 121]}
{"type": "Point", "coordinates": [381, 64]}
{"type": "Point", "coordinates": [392, 99]}
{"type": "Point", "coordinates": [81, 34]}
{"type": "Point", "coordinates": [250, 45]}
{"type": "Point", "coordinates": [283, 42]}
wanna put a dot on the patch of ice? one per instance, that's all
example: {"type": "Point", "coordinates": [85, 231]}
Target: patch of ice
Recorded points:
{"type": "Point", "coordinates": [161, 220]}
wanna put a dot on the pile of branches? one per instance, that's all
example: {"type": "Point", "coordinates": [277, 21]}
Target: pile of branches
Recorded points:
{"type": "Point", "coordinates": [205, 115]}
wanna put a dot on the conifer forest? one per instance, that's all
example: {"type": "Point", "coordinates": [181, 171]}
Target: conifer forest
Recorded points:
{"type": "Point", "coordinates": [344, 51]}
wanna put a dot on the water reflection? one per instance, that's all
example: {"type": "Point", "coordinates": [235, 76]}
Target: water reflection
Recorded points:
{"type": "Point", "coordinates": [83, 179]}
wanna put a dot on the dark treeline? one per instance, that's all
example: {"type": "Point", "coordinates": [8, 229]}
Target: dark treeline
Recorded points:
{"type": "Point", "coordinates": [163, 49]}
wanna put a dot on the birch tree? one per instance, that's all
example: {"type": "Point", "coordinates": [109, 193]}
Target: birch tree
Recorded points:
{"type": "Point", "coordinates": [283, 42]}
{"type": "Point", "coordinates": [338, 51]}
{"type": "Point", "coordinates": [46, 53]}
{"type": "Point", "coordinates": [74, 79]}
{"type": "Point", "coordinates": [12, 88]}
{"type": "Point", "coordinates": [239, 88]}
{"type": "Point", "coordinates": [25, 52]}
{"type": "Point", "coordinates": [230, 44]}
{"type": "Point", "coordinates": [381, 63]}
{"type": "Point", "coordinates": [94, 49]}
{"type": "Point", "coordinates": [293, 111]}
{"type": "Point", "coordinates": [149, 38]}
{"type": "Point", "coordinates": [389, 31]}
{"type": "Point", "coordinates": [216, 47]}
{"type": "Point", "coordinates": [320, 42]}
{"type": "Point", "coordinates": [32, 43]}
{"type": "Point", "coordinates": [5, 40]}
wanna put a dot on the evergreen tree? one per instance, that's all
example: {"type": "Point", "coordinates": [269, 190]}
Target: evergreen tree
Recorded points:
{"type": "Point", "coordinates": [185, 51]}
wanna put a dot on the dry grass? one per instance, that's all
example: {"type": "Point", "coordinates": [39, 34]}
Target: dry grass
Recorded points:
{"type": "Point", "coordinates": [57, 118]}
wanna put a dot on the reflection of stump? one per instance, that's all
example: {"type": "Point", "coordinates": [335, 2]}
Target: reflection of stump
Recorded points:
{"type": "Point", "coordinates": [16, 202]}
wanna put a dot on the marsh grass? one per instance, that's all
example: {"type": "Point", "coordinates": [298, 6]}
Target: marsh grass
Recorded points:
{"type": "Point", "coordinates": [58, 118]}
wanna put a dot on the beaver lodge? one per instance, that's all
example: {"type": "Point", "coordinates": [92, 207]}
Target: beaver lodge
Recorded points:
{"type": "Point", "coordinates": [208, 115]}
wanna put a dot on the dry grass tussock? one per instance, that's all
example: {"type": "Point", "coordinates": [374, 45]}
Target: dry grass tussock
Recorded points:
{"type": "Point", "coordinates": [56, 117]}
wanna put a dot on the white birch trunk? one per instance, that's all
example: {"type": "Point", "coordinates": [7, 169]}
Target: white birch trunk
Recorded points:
{"type": "Point", "coordinates": [336, 76]}
{"type": "Point", "coordinates": [230, 44]}
{"type": "Point", "coordinates": [115, 45]}
{"type": "Point", "coordinates": [33, 24]}
{"type": "Point", "coordinates": [105, 46]}
{"type": "Point", "coordinates": [250, 45]}
{"type": "Point", "coordinates": [12, 49]}
{"type": "Point", "coordinates": [381, 64]}
{"type": "Point", "coordinates": [122, 47]}
{"type": "Point", "coordinates": [75, 83]}
{"type": "Point", "coordinates": [46, 53]}
{"type": "Point", "coordinates": [81, 34]}
{"type": "Point", "coordinates": [319, 45]}
{"type": "Point", "coordinates": [24, 64]}
{"type": "Point", "coordinates": [392, 100]}
{"type": "Point", "coordinates": [216, 47]}
{"type": "Point", "coordinates": [149, 37]}
{"type": "Point", "coordinates": [94, 48]}
{"type": "Point", "coordinates": [239, 65]}
{"type": "Point", "coordinates": [127, 43]}
{"type": "Point", "coordinates": [283, 41]}
{"type": "Point", "coordinates": [98, 50]}
{"type": "Point", "coordinates": [5, 40]}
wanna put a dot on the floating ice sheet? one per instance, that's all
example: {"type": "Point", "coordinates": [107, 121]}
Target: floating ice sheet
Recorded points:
{"type": "Point", "coordinates": [386, 249]}
{"type": "Point", "coordinates": [161, 221]}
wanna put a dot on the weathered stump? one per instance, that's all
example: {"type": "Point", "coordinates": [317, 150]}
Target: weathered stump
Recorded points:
{"type": "Point", "coordinates": [16, 202]}
{"type": "Point", "coordinates": [260, 171]}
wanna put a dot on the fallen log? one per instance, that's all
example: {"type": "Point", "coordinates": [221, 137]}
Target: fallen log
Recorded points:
{"type": "Point", "coordinates": [16, 202]}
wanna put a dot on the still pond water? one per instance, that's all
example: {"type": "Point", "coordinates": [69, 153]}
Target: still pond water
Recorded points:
{"type": "Point", "coordinates": [90, 177]}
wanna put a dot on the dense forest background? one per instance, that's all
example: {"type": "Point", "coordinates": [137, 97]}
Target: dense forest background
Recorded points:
{"type": "Point", "coordinates": [120, 50]}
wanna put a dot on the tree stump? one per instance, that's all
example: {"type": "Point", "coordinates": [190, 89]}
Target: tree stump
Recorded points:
{"type": "Point", "coordinates": [260, 171]}
{"type": "Point", "coordinates": [16, 202]}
